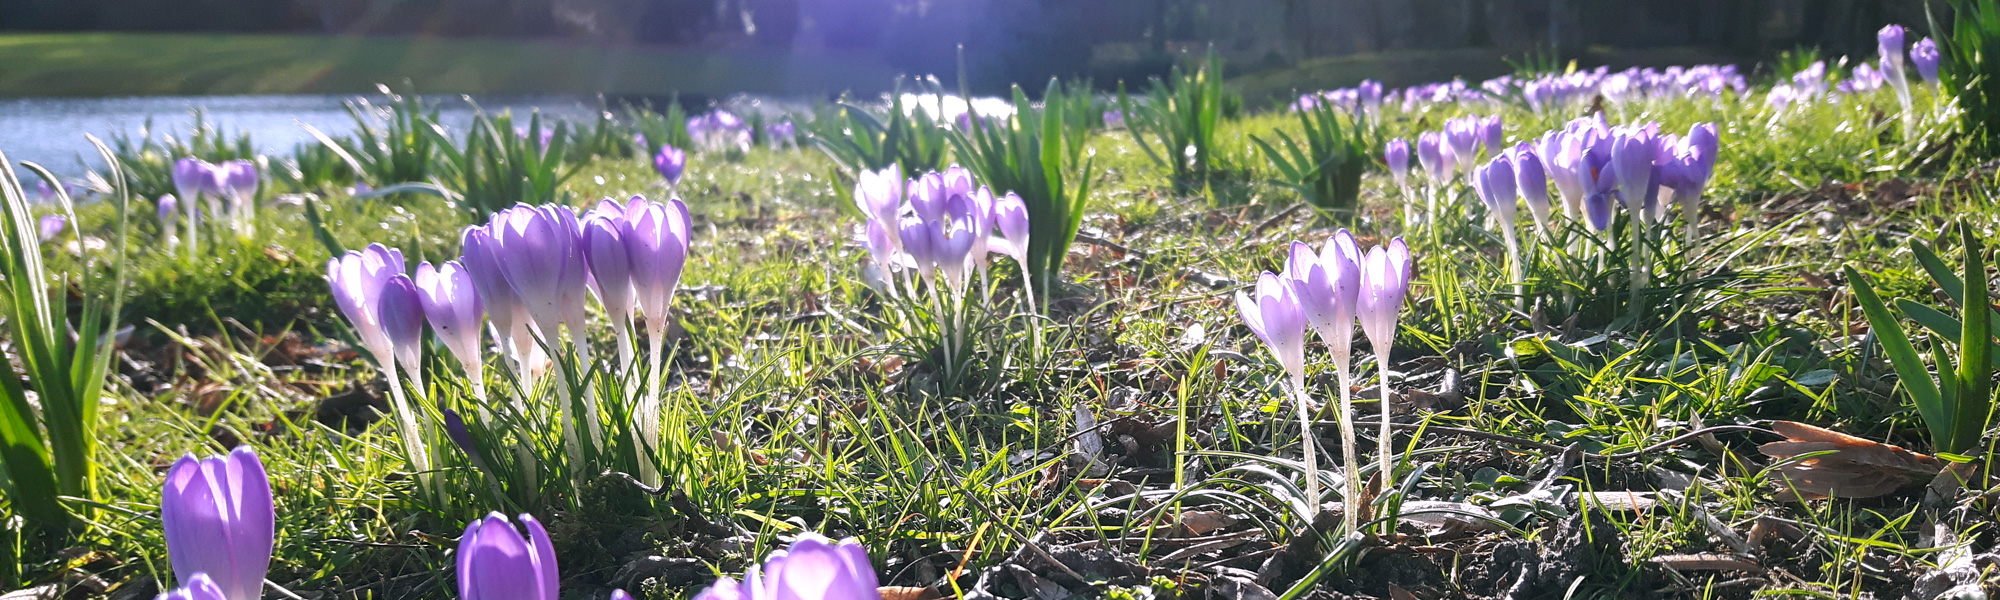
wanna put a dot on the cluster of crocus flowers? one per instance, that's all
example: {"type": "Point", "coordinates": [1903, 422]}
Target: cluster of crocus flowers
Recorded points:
{"type": "Point", "coordinates": [220, 525]}
{"type": "Point", "coordinates": [940, 228]}
{"type": "Point", "coordinates": [719, 131]}
{"type": "Point", "coordinates": [1330, 291]}
{"type": "Point", "coordinates": [1590, 164]}
{"type": "Point", "coordinates": [1445, 155]}
{"type": "Point", "coordinates": [229, 188]}
{"type": "Point", "coordinates": [813, 567]}
{"type": "Point", "coordinates": [530, 271]}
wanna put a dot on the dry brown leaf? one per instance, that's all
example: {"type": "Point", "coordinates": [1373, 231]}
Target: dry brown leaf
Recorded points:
{"type": "Point", "coordinates": [1620, 501]}
{"type": "Point", "coordinates": [1201, 522]}
{"type": "Point", "coordinates": [1396, 592]}
{"type": "Point", "coordinates": [1855, 467]}
{"type": "Point", "coordinates": [1706, 562]}
{"type": "Point", "coordinates": [897, 592]}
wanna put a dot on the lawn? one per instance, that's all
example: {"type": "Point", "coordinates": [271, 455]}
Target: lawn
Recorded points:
{"type": "Point", "coordinates": [1589, 415]}
{"type": "Point", "coordinates": [119, 64]}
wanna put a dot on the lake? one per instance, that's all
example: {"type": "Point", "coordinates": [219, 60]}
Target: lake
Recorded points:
{"type": "Point", "coordinates": [50, 130]}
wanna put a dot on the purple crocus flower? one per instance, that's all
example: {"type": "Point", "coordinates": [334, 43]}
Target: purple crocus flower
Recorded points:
{"type": "Point", "coordinates": [1430, 156]}
{"type": "Point", "coordinates": [1461, 138]}
{"type": "Point", "coordinates": [451, 303]}
{"type": "Point", "coordinates": [357, 279]}
{"type": "Point", "coordinates": [670, 162]}
{"type": "Point", "coordinates": [481, 259]}
{"type": "Point", "coordinates": [957, 181]}
{"type": "Point", "coordinates": [815, 568]}
{"type": "Point", "coordinates": [541, 253]}
{"type": "Point", "coordinates": [919, 244]}
{"type": "Point", "coordinates": [166, 208]}
{"type": "Point", "coordinates": [927, 196]}
{"type": "Point", "coordinates": [240, 177]}
{"type": "Point", "coordinates": [1533, 181]}
{"type": "Point", "coordinates": [1325, 291]}
{"type": "Point", "coordinates": [657, 246]}
{"type": "Point", "coordinates": [496, 562]}
{"type": "Point", "coordinates": [219, 521]}
{"type": "Point", "coordinates": [1633, 149]}
{"type": "Point", "coordinates": [401, 307]}
{"type": "Point", "coordinates": [1398, 157]}
{"type": "Point", "coordinates": [982, 226]}
{"type": "Point", "coordinates": [1924, 56]}
{"type": "Point", "coordinates": [1491, 135]}
{"type": "Point", "coordinates": [1385, 280]}
{"type": "Point", "coordinates": [604, 250]}
{"type": "Point", "coordinates": [198, 587]}
{"type": "Point", "coordinates": [1114, 119]}
{"type": "Point", "coordinates": [192, 176]}
{"type": "Point", "coordinates": [724, 589]}
{"type": "Point", "coordinates": [1889, 45]}
{"type": "Point", "coordinates": [1277, 318]}
{"type": "Point", "coordinates": [879, 195]}
{"type": "Point", "coordinates": [1494, 182]}
{"type": "Point", "coordinates": [619, 594]}
{"type": "Point", "coordinates": [52, 225]}
{"type": "Point", "coordinates": [1010, 213]}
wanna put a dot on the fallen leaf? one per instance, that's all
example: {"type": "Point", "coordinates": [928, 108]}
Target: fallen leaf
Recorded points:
{"type": "Point", "coordinates": [1620, 501]}
{"type": "Point", "coordinates": [1706, 562]}
{"type": "Point", "coordinates": [1446, 519]}
{"type": "Point", "coordinates": [897, 592]}
{"type": "Point", "coordinates": [1201, 522]}
{"type": "Point", "coordinates": [1852, 468]}
{"type": "Point", "coordinates": [1396, 592]}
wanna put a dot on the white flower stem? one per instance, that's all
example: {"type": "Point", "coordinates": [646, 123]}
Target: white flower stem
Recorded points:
{"type": "Point", "coordinates": [1306, 445]}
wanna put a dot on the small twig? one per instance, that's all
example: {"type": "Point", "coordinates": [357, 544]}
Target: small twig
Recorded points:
{"type": "Point", "coordinates": [682, 505]}
{"type": "Point", "coordinates": [1547, 447]}
{"type": "Point", "coordinates": [373, 544]}
{"type": "Point", "coordinates": [1273, 220]}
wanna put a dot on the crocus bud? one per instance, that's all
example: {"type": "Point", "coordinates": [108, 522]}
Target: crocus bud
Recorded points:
{"type": "Point", "coordinates": [604, 250]}
{"type": "Point", "coordinates": [1398, 157]}
{"type": "Point", "coordinates": [219, 521]}
{"type": "Point", "coordinates": [815, 567]}
{"type": "Point", "coordinates": [927, 196]}
{"type": "Point", "coordinates": [191, 177]}
{"type": "Point", "coordinates": [880, 249]}
{"type": "Point", "coordinates": [1632, 152]}
{"type": "Point", "coordinates": [496, 562]}
{"type": "Point", "coordinates": [52, 225]}
{"type": "Point", "coordinates": [1385, 280]}
{"type": "Point", "coordinates": [920, 244]}
{"type": "Point", "coordinates": [1114, 119]}
{"type": "Point", "coordinates": [454, 428]}
{"type": "Point", "coordinates": [1924, 56]}
{"type": "Point", "coordinates": [1494, 182]}
{"type": "Point", "coordinates": [357, 279]}
{"type": "Point", "coordinates": [1277, 319]}
{"type": "Point", "coordinates": [657, 245]}
{"type": "Point", "coordinates": [541, 254]}
{"type": "Point", "coordinates": [879, 194]}
{"type": "Point", "coordinates": [957, 180]}
{"type": "Point", "coordinates": [982, 226]}
{"type": "Point", "coordinates": [619, 594]}
{"type": "Point", "coordinates": [1889, 45]}
{"type": "Point", "coordinates": [1011, 214]}
{"type": "Point", "coordinates": [1461, 136]}
{"type": "Point", "coordinates": [1491, 135]}
{"type": "Point", "coordinates": [1342, 260]}
{"type": "Point", "coordinates": [167, 209]}
{"type": "Point", "coordinates": [670, 162]}
{"type": "Point", "coordinates": [1533, 182]}
{"type": "Point", "coordinates": [1319, 285]}
{"type": "Point", "coordinates": [241, 178]}
{"type": "Point", "coordinates": [481, 262]}
{"type": "Point", "coordinates": [1430, 156]}
{"type": "Point", "coordinates": [724, 589]}
{"type": "Point", "coordinates": [402, 310]}
{"type": "Point", "coordinates": [199, 587]}
{"type": "Point", "coordinates": [451, 303]}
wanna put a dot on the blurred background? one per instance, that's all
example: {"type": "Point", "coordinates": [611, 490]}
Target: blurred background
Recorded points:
{"type": "Point", "coordinates": [706, 47]}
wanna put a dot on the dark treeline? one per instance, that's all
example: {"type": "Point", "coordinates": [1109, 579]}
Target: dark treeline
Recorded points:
{"type": "Point", "coordinates": [1025, 40]}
